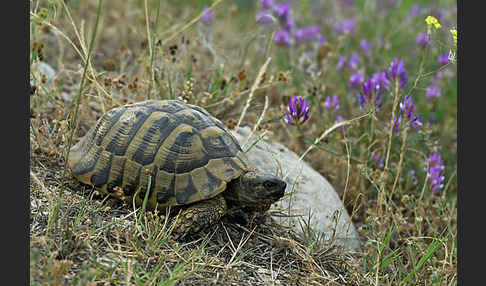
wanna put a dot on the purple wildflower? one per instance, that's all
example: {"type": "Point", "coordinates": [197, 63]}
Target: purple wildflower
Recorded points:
{"type": "Point", "coordinates": [422, 39]}
{"type": "Point", "coordinates": [406, 110]}
{"type": "Point", "coordinates": [264, 18]}
{"type": "Point", "coordinates": [331, 102]}
{"type": "Point", "coordinates": [435, 172]}
{"type": "Point", "coordinates": [346, 26]}
{"type": "Point", "coordinates": [321, 39]}
{"type": "Point", "coordinates": [335, 102]}
{"type": "Point", "coordinates": [208, 16]}
{"type": "Point", "coordinates": [416, 122]}
{"type": "Point", "coordinates": [297, 111]}
{"type": "Point", "coordinates": [396, 124]}
{"type": "Point", "coordinates": [369, 87]}
{"type": "Point", "coordinates": [341, 62]}
{"type": "Point", "coordinates": [356, 79]}
{"type": "Point", "coordinates": [396, 68]}
{"type": "Point", "coordinates": [365, 46]}
{"type": "Point", "coordinates": [438, 12]}
{"type": "Point", "coordinates": [282, 37]}
{"type": "Point", "coordinates": [339, 118]}
{"type": "Point", "coordinates": [433, 92]}
{"type": "Point", "coordinates": [300, 35]}
{"type": "Point", "coordinates": [415, 10]}
{"type": "Point", "coordinates": [282, 10]}
{"type": "Point", "coordinates": [327, 103]}
{"type": "Point", "coordinates": [361, 99]}
{"type": "Point", "coordinates": [353, 61]}
{"type": "Point", "coordinates": [377, 159]}
{"type": "Point", "coordinates": [381, 80]}
{"type": "Point", "coordinates": [288, 23]}
{"type": "Point", "coordinates": [443, 59]}
{"type": "Point", "coordinates": [439, 75]}
{"type": "Point", "coordinates": [407, 106]}
{"type": "Point", "coordinates": [397, 71]}
{"type": "Point", "coordinates": [380, 162]}
{"type": "Point", "coordinates": [267, 4]}
{"type": "Point", "coordinates": [307, 33]}
{"type": "Point", "coordinates": [371, 93]}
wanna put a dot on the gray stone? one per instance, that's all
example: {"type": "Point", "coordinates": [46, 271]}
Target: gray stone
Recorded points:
{"type": "Point", "coordinates": [38, 69]}
{"type": "Point", "coordinates": [308, 192]}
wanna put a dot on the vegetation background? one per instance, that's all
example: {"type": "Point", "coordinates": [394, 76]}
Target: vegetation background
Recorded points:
{"type": "Point", "coordinates": [383, 133]}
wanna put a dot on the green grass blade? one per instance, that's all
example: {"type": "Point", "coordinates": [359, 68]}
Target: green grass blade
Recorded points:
{"type": "Point", "coordinates": [431, 249]}
{"type": "Point", "coordinates": [81, 85]}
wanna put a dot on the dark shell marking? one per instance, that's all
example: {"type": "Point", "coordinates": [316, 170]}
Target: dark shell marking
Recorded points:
{"type": "Point", "coordinates": [180, 150]}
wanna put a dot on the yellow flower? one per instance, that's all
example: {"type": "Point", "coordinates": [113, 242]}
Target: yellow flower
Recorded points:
{"type": "Point", "coordinates": [454, 35]}
{"type": "Point", "coordinates": [431, 20]}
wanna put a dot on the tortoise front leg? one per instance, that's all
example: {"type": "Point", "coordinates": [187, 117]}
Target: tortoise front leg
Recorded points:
{"type": "Point", "coordinates": [199, 216]}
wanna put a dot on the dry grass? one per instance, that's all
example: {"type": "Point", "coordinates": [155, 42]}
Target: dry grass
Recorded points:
{"type": "Point", "coordinates": [96, 238]}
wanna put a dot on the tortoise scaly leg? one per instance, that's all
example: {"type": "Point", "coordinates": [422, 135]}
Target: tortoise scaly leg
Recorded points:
{"type": "Point", "coordinates": [199, 216]}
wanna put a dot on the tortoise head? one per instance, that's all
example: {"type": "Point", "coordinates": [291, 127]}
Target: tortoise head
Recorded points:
{"type": "Point", "coordinates": [253, 189]}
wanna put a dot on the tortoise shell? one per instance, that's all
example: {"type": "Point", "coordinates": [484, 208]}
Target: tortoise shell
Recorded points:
{"type": "Point", "coordinates": [178, 151]}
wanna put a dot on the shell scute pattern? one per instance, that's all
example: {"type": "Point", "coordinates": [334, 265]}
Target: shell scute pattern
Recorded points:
{"type": "Point", "coordinates": [124, 131]}
{"type": "Point", "coordinates": [185, 153]}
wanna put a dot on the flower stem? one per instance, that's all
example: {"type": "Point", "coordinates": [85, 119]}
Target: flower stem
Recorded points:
{"type": "Point", "coordinates": [372, 124]}
{"type": "Point", "coordinates": [390, 135]}
{"type": "Point", "coordinates": [382, 180]}
{"type": "Point", "coordinates": [402, 152]}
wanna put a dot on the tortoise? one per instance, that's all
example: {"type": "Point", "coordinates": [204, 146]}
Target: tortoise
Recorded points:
{"type": "Point", "coordinates": [178, 153]}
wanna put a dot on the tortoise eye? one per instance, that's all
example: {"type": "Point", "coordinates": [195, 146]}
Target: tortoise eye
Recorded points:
{"type": "Point", "coordinates": [269, 185]}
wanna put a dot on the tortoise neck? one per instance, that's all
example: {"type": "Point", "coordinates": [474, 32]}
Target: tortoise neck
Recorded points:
{"type": "Point", "coordinates": [233, 189]}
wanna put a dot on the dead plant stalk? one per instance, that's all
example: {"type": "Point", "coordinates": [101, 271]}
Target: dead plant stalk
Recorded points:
{"type": "Point", "coordinates": [324, 134]}
{"type": "Point", "coordinates": [252, 90]}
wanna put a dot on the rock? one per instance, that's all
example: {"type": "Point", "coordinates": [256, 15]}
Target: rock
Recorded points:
{"type": "Point", "coordinates": [39, 68]}
{"type": "Point", "coordinates": [312, 193]}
